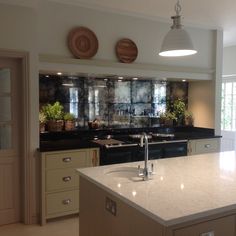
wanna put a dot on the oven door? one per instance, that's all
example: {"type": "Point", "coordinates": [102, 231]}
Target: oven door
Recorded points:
{"type": "Point", "coordinates": [154, 152]}
{"type": "Point", "coordinates": [117, 154]}
{"type": "Point", "coordinates": [175, 149]}
{"type": "Point", "coordinates": [163, 150]}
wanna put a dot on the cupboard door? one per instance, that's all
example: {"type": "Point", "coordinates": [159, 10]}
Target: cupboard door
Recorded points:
{"type": "Point", "coordinates": [70, 159]}
{"type": "Point", "coordinates": [62, 202]}
{"type": "Point", "coordinates": [207, 145]}
{"type": "Point", "coordinates": [201, 146]}
{"type": "Point", "coordinates": [220, 227]}
{"type": "Point", "coordinates": [61, 179]}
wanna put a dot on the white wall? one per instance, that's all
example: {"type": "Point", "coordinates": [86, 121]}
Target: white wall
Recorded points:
{"type": "Point", "coordinates": [57, 19]}
{"type": "Point", "coordinates": [201, 103]}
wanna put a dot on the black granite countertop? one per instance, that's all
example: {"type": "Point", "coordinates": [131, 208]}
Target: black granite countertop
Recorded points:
{"type": "Point", "coordinates": [55, 141]}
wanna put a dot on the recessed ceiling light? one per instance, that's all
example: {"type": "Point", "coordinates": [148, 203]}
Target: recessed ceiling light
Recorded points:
{"type": "Point", "coordinates": [59, 73]}
{"type": "Point", "coordinates": [135, 78]}
{"type": "Point", "coordinates": [47, 76]}
{"type": "Point", "coordinates": [183, 80]}
{"type": "Point", "coordinates": [120, 77]}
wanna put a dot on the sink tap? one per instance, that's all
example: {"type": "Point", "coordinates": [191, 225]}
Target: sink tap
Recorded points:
{"type": "Point", "coordinates": [146, 172]}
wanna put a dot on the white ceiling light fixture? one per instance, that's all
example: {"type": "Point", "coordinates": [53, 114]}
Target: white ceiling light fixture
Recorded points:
{"type": "Point", "coordinates": [177, 42]}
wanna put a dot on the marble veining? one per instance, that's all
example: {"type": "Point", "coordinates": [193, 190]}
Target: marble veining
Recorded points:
{"type": "Point", "coordinates": [182, 189]}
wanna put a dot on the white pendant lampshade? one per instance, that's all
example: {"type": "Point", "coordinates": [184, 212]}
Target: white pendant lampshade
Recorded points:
{"type": "Point", "coordinates": [177, 42]}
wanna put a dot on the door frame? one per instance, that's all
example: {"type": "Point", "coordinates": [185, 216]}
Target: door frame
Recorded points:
{"type": "Point", "coordinates": [26, 169]}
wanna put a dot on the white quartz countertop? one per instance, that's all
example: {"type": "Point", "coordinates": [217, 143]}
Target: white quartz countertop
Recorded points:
{"type": "Point", "coordinates": [182, 189]}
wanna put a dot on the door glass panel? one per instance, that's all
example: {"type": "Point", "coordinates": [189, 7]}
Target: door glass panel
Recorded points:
{"type": "Point", "coordinates": [5, 104]}
{"type": "Point", "coordinates": [5, 137]}
{"type": "Point", "coordinates": [5, 80]}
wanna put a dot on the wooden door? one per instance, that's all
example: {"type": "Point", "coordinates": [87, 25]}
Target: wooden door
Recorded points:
{"type": "Point", "coordinates": [10, 145]}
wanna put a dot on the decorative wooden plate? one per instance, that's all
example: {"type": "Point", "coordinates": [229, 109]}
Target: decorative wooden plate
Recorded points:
{"type": "Point", "coordinates": [126, 50]}
{"type": "Point", "coordinates": [82, 42]}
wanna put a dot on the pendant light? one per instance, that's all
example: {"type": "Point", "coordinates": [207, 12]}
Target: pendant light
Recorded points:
{"type": "Point", "coordinates": [177, 42]}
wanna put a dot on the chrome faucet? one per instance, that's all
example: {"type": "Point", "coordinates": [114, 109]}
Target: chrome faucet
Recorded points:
{"type": "Point", "coordinates": [145, 172]}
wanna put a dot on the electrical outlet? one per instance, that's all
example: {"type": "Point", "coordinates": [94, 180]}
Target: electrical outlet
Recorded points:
{"type": "Point", "coordinates": [208, 234]}
{"type": "Point", "coordinates": [110, 206]}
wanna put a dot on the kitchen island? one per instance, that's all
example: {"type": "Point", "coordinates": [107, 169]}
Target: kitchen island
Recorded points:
{"type": "Point", "coordinates": [187, 196]}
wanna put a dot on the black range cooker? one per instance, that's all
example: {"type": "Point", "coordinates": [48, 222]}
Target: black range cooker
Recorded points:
{"type": "Point", "coordinates": [127, 148]}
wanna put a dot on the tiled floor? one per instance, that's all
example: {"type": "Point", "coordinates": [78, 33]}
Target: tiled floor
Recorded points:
{"type": "Point", "coordinates": [65, 227]}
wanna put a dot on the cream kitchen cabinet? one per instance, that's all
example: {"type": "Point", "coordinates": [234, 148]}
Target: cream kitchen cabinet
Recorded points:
{"type": "Point", "coordinates": [200, 146]}
{"type": "Point", "coordinates": [59, 181]}
{"type": "Point", "coordinates": [218, 227]}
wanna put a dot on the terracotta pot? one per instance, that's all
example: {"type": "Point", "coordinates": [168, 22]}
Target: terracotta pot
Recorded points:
{"type": "Point", "coordinates": [41, 127]}
{"type": "Point", "coordinates": [188, 121]}
{"type": "Point", "coordinates": [55, 125]}
{"type": "Point", "coordinates": [168, 122]}
{"type": "Point", "coordinates": [69, 125]}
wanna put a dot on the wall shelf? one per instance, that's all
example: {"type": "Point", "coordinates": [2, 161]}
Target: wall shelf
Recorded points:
{"type": "Point", "coordinates": [55, 63]}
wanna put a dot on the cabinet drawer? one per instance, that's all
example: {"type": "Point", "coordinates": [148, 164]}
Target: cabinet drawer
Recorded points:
{"type": "Point", "coordinates": [219, 227]}
{"type": "Point", "coordinates": [61, 178]}
{"type": "Point", "coordinates": [66, 159]}
{"type": "Point", "coordinates": [207, 145]}
{"type": "Point", "coordinates": [62, 202]}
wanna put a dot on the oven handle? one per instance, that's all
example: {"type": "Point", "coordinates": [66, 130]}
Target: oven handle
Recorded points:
{"type": "Point", "coordinates": [173, 141]}
{"type": "Point", "coordinates": [120, 146]}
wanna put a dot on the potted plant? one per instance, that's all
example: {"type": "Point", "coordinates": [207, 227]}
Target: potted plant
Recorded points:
{"type": "Point", "coordinates": [188, 118]}
{"type": "Point", "coordinates": [69, 119]}
{"type": "Point", "coordinates": [54, 116]}
{"type": "Point", "coordinates": [167, 118]}
{"type": "Point", "coordinates": [42, 121]}
{"type": "Point", "coordinates": [179, 109]}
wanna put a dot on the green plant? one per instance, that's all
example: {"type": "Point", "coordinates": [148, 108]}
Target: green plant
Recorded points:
{"type": "Point", "coordinates": [168, 116]}
{"type": "Point", "coordinates": [188, 114]}
{"type": "Point", "coordinates": [69, 117]}
{"type": "Point", "coordinates": [42, 117]}
{"type": "Point", "coordinates": [53, 112]}
{"type": "Point", "coordinates": [179, 108]}
{"type": "Point", "coordinates": [188, 118]}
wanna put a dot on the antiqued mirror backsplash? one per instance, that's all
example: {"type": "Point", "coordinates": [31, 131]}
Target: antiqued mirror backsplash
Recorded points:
{"type": "Point", "coordinates": [116, 103]}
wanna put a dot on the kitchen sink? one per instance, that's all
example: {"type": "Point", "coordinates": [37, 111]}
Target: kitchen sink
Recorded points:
{"type": "Point", "coordinates": [123, 172]}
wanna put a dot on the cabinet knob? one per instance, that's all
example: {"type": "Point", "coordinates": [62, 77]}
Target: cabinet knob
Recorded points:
{"type": "Point", "coordinates": [66, 159]}
{"type": "Point", "coordinates": [207, 145]}
{"type": "Point", "coordinates": [66, 178]}
{"type": "Point", "coordinates": [208, 234]}
{"type": "Point", "coordinates": [66, 201]}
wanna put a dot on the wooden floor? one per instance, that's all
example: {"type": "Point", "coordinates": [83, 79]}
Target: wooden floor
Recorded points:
{"type": "Point", "coordinates": [65, 227]}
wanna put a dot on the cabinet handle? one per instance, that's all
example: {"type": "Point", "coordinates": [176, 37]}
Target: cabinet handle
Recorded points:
{"type": "Point", "coordinates": [66, 178]}
{"type": "Point", "coordinates": [66, 201]}
{"type": "Point", "coordinates": [208, 234]}
{"type": "Point", "coordinates": [207, 146]}
{"type": "Point", "coordinates": [66, 159]}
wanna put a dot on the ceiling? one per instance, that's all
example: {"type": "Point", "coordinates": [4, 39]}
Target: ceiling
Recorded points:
{"type": "Point", "coordinates": [210, 14]}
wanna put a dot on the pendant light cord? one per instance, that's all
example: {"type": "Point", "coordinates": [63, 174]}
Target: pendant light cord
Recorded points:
{"type": "Point", "coordinates": [178, 8]}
